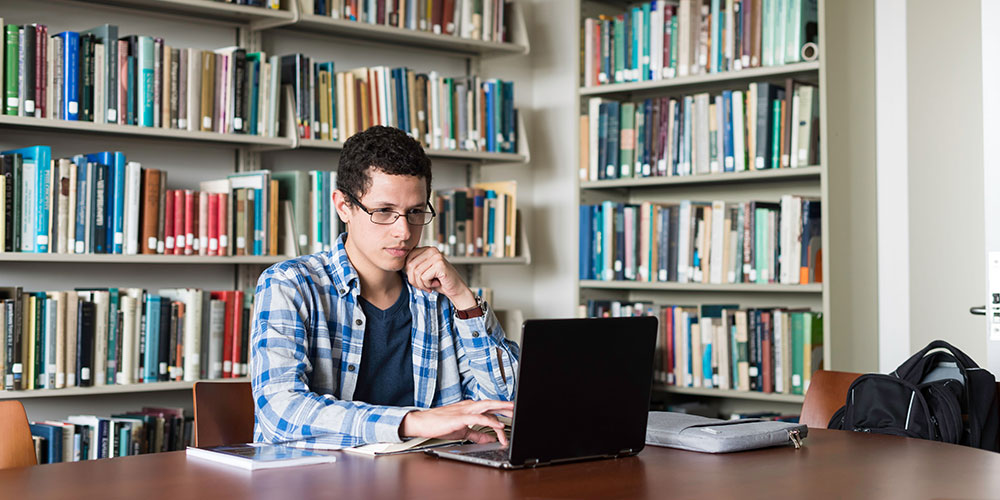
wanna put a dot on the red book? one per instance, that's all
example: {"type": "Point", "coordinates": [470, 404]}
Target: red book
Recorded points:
{"type": "Point", "coordinates": [202, 223]}
{"type": "Point", "coordinates": [227, 335]}
{"type": "Point", "coordinates": [237, 330]}
{"type": "Point", "coordinates": [213, 224]}
{"type": "Point", "coordinates": [668, 14]}
{"type": "Point", "coordinates": [189, 218]}
{"type": "Point", "coordinates": [178, 222]}
{"type": "Point", "coordinates": [223, 223]}
{"type": "Point", "coordinates": [168, 223]}
{"type": "Point", "coordinates": [122, 80]}
{"type": "Point", "coordinates": [41, 39]}
{"type": "Point", "coordinates": [596, 65]}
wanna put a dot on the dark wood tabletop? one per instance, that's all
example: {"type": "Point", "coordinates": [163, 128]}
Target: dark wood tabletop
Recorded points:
{"type": "Point", "coordinates": [831, 464]}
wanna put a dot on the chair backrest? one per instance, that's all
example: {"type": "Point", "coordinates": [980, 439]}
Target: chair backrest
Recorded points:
{"type": "Point", "coordinates": [16, 447]}
{"type": "Point", "coordinates": [223, 413]}
{"type": "Point", "coordinates": [827, 393]}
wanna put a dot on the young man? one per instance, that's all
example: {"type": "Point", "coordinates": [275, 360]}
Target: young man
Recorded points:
{"type": "Point", "coordinates": [377, 340]}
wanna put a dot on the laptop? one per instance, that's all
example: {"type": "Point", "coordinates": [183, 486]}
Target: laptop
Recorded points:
{"type": "Point", "coordinates": [583, 389]}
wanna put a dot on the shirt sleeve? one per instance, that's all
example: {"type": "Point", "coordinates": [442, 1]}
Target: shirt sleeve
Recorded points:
{"type": "Point", "coordinates": [285, 408]}
{"type": "Point", "coordinates": [487, 360]}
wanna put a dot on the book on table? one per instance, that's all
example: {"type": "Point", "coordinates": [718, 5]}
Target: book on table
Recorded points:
{"type": "Point", "coordinates": [256, 456]}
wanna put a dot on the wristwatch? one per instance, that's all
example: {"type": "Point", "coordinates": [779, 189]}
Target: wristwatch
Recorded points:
{"type": "Point", "coordinates": [473, 312]}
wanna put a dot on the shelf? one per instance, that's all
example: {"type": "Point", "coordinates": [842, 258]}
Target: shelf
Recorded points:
{"type": "Point", "coordinates": [405, 37]}
{"type": "Point", "coordinates": [214, 10]}
{"type": "Point", "coordinates": [27, 122]}
{"type": "Point", "coordinates": [137, 259]}
{"type": "Point", "coordinates": [811, 172]}
{"type": "Point", "coordinates": [432, 153]}
{"type": "Point", "coordinates": [719, 393]}
{"type": "Point", "coordinates": [488, 260]}
{"type": "Point", "coordinates": [701, 287]}
{"type": "Point", "coordinates": [747, 75]}
{"type": "Point", "coordinates": [108, 389]}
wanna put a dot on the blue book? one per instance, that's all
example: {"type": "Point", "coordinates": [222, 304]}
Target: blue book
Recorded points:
{"type": "Point", "coordinates": [99, 202]}
{"type": "Point", "coordinates": [145, 81]}
{"type": "Point", "coordinates": [39, 160]}
{"type": "Point", "coordinates": [636, 33]}
{"type": "Point", "coordinates": [727, 134]}
{"type": "Point", "coordinates": [647, 46]}
{"type": "Point", "coordinates": [715, 57]}
{"type": "Point", "coordinates": [602, 140]}
{"type": "Point", "coordinates": [53, 442]}
{"type": "Point", "coordinates": [509, 118]}
{"type": "Point", "coordinates": [490, 222]}
{"type": "Point", "coordinates": [586, 239]}
{"type": "Point", "coordinates": [322, 203]}
{"type": "Point", "coordinates": [491, 133]}
{"type": "Point", "coordinates": [151, 361]}
{"type": "Point", "coordinates": [258, 215]}
{"type": "Point", "coordinates": [614, 117]}
{"type": "Point", "coordinates": [597, 227]}
{"type": "Point", "coordinates": [253, 79]}
{"type": "Point", "coordinates": [115, 196]}
{"type": "Point", "coordinates": [71, 71]}
{"type": "Point", "coordinates": [82, 167]}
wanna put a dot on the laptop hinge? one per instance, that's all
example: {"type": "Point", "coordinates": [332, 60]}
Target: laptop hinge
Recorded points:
{"type": "Point", "coordinates": [625, 452]}
{"type": "Point", "coordinates": [531, 462]}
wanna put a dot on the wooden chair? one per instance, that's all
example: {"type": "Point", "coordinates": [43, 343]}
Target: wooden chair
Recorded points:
{"type": "Point", "coordinates": [223, 413]}
{"type": "Point", "coordinates": [16, 447]}
{"type": "Point", "coordinates": [827, 393]}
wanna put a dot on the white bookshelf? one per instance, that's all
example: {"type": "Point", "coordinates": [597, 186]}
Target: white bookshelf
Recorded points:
{"type": "Point", "coordinates": [109, 389]}
{"type": "Point", "coordinates": [769, 184]}
{"type": "Point", "coordinates": [139, 259]}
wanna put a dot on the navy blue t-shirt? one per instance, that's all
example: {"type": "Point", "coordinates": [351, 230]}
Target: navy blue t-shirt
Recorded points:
{"type": "Point", "coordinates": [385, 376]}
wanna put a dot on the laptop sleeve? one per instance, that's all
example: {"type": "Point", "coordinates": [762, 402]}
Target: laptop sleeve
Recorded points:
{"type": "Point", "coordinates": [711, 435]}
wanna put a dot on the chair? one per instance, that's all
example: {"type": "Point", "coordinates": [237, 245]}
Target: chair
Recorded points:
{"type": "Point", "coordinates": [827, 393]}
{"type": "Point", "coordinates": [16, 447]}
{"type": "Point", "coordinates": [223, 413]}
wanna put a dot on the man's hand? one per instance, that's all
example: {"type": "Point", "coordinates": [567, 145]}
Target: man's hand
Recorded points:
{"type": "Point", "coordinates": [427, 269]}
{"type": "Point", "coordinates": [453, 421]}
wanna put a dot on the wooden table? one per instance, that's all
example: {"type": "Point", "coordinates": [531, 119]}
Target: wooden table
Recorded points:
{"type": "Point", "coordinates": [832, 464]}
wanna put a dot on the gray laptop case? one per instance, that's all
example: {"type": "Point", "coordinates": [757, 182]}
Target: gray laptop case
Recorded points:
{"type": "Point", "coordinates": [712, 435]}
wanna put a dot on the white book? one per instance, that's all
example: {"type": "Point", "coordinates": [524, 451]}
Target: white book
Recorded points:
{"type": "Point", "coordinates": [342, 127]}
{"type": "Point", "coordinates": [29, 199]}
{"type": "Point", "coordinates": [102, 302]}
{"type": "Point", "coordinates": [275, 97]}
{"type": "Point", "coordinates": [255, 456]}
{"type": "Point", "coordinates": [129, 340]}
{"type": "Point", "coordinates": [71, 209]}
{"type": "Point", "coordinates": [720, 135]}
{"type": "Point", "coordinates": [722, 340]}
{"type": "Point", "coordinates": [808, 98]}
{"type": "Point", "coordinates": [217, 330]}
{"type": "Point", "coordinates": [594, 115]}
{"type": "Point", "coordinates": [656, 40]}
{"type": "Point", "coordinates": [702, 164]}
{"type": "Point", "coordinates": [435, 124]}
{"type": "Point", "coordinates": [202, 223]}
{"type": "Point", "coordinates": [588, 43]}
{"type": "Point", "coordinates": [792, 160]}
{"type": "Point", "coordinates": [69, 367]}
{"type": "Point", "coordinates": [683, 242]}
{"type": "Point", "coordinates": [739, 131]}
{"type": "Point", "coordinates": [716, 256]}
{"type": "Point", "coordinates": [100, 80]}
{"type": "Point", "coordinates": [50, 342]}
{"type": "Point", "coordinates": [193, 90]}
{"type": "Point", "coordinates": [133, 177]}
{"type": "Point", "coordinates": [62, 222]}
{"type": "Point", "coordinates": [49, 76]}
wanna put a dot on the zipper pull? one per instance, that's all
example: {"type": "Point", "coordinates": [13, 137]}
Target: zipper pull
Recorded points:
{"type": "Point", "coordinates": [796, 438]}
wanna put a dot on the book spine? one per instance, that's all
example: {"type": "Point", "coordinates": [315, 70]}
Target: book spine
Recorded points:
{"type": "Point", "coordinates": [71, 75]}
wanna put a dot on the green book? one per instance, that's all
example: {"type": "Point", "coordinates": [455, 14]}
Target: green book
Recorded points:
{"type": "Point", "coordinates": [673, 43]}
{"type": "Point", "coordinates": [776, 131]}
{"type": "Point", "coordinates": [801, 14]}
{"type": "Point", "coordinates": [618, 72]}
{"type": "Point", "coordinates": [112, 360]}
{"type": "Point", "coordinates": [626, 145]}
{"type": "Point", "coordinates": [760, 244]}
{"type": "Point", "coordinates": [645, 41]}
{"type": "Point", "coordinates": [767, 32]}
{"type": "Point", "coordinates": [11, 101]}
{"type": "Point", "coordinates": [293, 185]}
{"type": "Point", "coordinates": [780, 19]}
{"type": "Point", "coordinates": [798, 350]}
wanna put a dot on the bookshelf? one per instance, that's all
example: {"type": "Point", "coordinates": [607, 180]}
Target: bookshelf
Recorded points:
{"type": "Point", "coordinates": [765, 185]}
{"type": "Point", "coordinates": [192, 156]}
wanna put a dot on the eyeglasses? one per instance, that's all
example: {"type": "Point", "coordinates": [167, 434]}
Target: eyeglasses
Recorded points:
{"type": "Point", "coordinates": [385, 216]}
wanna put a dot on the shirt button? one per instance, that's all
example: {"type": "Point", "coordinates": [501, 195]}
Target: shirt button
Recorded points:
{"type": "Point", "coordinates": [350, 368]}
{"type": "Point", "coordinates": [340, 291]}
{"type": "Point", "coordinates": [475, 334]}
{"type": "Point", "coordinates": [357, 322]}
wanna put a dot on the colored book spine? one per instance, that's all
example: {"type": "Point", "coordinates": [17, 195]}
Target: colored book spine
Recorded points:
{"type": "Point", "coordinates": [71, 74]}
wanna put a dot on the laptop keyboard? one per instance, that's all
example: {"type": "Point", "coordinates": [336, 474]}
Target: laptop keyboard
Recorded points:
{"type": "Point", "coordinates": [499, 455]}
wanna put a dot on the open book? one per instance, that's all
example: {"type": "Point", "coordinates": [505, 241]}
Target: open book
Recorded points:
{"type": "Point", "coordinates": [413, 444]}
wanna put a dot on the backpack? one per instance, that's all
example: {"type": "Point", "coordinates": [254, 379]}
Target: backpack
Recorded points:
{"type": "Point", "coordinates": [938, 394]}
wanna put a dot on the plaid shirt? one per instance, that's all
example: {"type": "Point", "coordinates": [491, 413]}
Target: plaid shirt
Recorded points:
{"type": "Point", "coordinates": [306, 340]}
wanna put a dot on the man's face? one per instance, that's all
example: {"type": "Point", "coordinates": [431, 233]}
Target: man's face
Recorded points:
{"type": "Point", "coordinates": [384, 246]}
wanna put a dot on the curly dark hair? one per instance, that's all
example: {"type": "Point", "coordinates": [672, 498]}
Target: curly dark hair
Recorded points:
{"type": "Point", "coordinates": [385, 148]}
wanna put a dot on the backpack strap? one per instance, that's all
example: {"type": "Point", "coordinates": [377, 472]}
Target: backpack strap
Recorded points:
{"type": "Point", "coordinates": [908, 366]}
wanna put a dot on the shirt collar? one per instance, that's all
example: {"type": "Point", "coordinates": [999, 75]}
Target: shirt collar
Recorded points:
{"type": "Point", "coordinates": [346, 276]}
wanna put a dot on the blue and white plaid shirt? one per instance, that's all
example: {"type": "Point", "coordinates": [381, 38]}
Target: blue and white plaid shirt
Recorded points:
{"type": "Point", "coordinates": [306, 340]}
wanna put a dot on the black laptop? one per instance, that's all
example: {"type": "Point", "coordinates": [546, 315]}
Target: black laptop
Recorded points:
{"type": "Point", "coordinates": [583, 388]}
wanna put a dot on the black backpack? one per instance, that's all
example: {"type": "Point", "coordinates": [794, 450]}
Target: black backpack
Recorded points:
{"type": "Point", "coordinates": [941, 395]}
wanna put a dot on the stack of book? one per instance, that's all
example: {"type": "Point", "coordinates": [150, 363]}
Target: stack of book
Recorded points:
{"type": "Point", "coordinates": [703, 242]}
{"type": "Point", "coordinates": [461, 113]}
{"type": "Point", "coordinates": [90, 437]}
{"type": "Point", "coordinates": [101, 203]}
{"type": "Point", "coordinates": [725, 347]}
{"type": "Point", "coordinates": [138, 80]}
{"type": "Point", "coordinates": [107, 336]}
{"type": "Point", "coordinates": [765, 126]}
{"type": "Point", "coordinates": [267, 4]}
{"type": "Point", "coordinates": [307, 211]}
{"type": "Point", "coordinates": [480, 221]}
{"type": "Point", "coordinates": [474, 19]}
{"type": "Point", "coordinates": [657, 40]}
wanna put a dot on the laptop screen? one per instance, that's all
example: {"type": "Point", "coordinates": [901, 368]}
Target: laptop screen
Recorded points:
{"type": "Point", "coordinates": [583, 387]}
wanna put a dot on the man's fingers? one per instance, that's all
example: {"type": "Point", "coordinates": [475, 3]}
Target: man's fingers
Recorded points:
{"type": "Point", "coordinates": [492, 422]}
{"type": "Point", "coordinates": [479, 437]}
{"type": "Point", "coordinates": [492, 406]}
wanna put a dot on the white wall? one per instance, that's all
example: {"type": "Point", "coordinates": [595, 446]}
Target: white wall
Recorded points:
{"type": "Point", "coordinates": [945, 150]}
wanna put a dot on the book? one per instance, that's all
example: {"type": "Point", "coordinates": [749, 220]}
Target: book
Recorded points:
{"type": "Point", "coordinates": [261, 456]}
